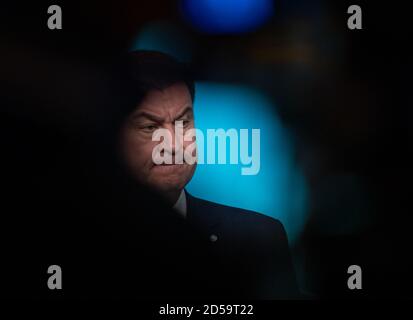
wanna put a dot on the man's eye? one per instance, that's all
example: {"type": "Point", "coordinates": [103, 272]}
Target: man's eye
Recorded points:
{"type": "Point", "coordinates": [149, 128]}
{"type": "Point", "coordinates": [185, 122]}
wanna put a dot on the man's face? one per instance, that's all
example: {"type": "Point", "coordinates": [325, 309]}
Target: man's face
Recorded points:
{"type": "Point", "coordinates": [158, 110]}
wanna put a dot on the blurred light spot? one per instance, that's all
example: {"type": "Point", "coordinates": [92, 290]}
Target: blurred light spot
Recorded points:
{"type": "Point", "coordinates": [227, 16]}
{"type": "Point", "coordinates": [279, 189]}
{"type": "Point", "coordinates": [165, 37]}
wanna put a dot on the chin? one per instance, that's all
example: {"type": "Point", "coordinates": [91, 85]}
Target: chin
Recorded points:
{"type": "Point", "coordinates": [168, 184]}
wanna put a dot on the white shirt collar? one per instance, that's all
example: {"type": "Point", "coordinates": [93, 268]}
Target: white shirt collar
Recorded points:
{"type": "Point", "coordinates": [180, 204]}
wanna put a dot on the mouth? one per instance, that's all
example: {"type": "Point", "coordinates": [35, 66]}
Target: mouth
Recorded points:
{"type": "Point", "coordinates": [167, 167]}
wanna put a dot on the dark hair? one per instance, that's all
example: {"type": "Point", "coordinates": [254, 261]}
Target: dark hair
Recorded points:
{"type": "Point", "coordinates": [151, 70]}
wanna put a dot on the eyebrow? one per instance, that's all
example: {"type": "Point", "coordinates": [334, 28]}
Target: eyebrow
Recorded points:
{"type": "Point", "coordinates": [186, 110]}
{"type": "Point", "coordinates": [144, 114]}
{"type": "Point", "coordinates": [153, 117]}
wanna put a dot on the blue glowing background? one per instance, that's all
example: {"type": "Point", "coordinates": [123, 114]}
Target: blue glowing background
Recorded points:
{"type": "Point", "coordinates": [278, 190]}
{"type": "Point", "coordinates": [227, 16]}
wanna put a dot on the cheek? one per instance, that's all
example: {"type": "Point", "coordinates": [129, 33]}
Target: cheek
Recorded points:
{"type": "Point", "coordinates": [191, 147]}
{"type": "Point", "coordinates": [138, 151]}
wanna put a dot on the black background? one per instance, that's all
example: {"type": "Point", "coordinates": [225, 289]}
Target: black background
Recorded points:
{"type": "Point", "coordinates": [50, 148]}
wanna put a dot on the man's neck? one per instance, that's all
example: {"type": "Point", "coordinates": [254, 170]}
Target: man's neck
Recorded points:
{"type": "Point", "coordinates": [172, 197]}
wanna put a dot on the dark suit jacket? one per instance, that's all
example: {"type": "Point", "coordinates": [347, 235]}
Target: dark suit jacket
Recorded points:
{"type": "Point", "coordinates": [217, 252]}
{"type": "Point", "coordinates": [247, 252]}
{"type": "Point", "coordinates": [122, 251]}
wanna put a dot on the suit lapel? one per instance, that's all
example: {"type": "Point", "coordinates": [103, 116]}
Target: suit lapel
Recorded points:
{"type": "Point", "coordinates": [203, 216]}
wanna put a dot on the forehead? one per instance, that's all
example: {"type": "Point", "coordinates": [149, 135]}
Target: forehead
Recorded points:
{"type": "Point", "coordinates": [166, 102]}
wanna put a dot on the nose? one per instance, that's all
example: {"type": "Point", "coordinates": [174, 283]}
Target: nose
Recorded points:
{"type": "Point", "coordinates": [174, 142]}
